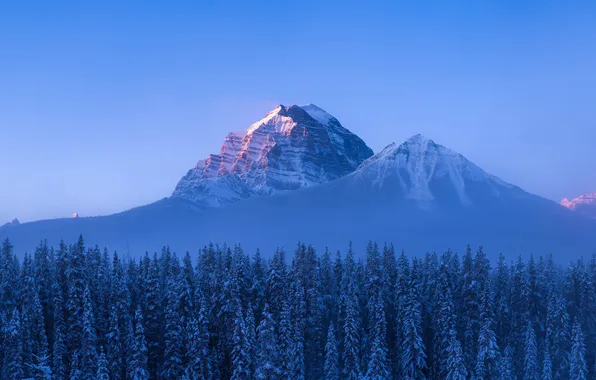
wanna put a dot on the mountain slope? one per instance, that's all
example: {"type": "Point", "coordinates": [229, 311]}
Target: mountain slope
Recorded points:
{"type": "Point", "coordinates": [289, 149]}
{"type": "Point", "coordinates": [424, 172]}
{"type": "Point", "coordinates": [419, 195]}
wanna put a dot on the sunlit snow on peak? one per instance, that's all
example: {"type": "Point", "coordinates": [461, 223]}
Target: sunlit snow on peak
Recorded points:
{"type": "Point", "coordinates": [288, 149]}
{"type": "Point", "coordinates": [268, 117]}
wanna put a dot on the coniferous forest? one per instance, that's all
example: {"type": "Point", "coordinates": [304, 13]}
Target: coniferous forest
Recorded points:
{"type": "Point", "coordinates": [77, 312]}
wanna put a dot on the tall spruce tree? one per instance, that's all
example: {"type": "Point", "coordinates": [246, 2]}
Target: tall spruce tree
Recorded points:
{"type": "Point", "coordinates": [114, 347]}
{"type": "Point", "coordinates": [266, 358]}
{"type": "Point", "coordinates": [173, 336]}
{"type": "Point", "coordinates": [59, 367]}
{"type": "Point", "coordinates": [75, 276]}
{"type": "Point", "coordinates": [506, 365]}
{"type": "Point", "coordinates": [377, 365]}
{"type": "Point", "coordinates": [547, 366]}
{"type": "Point", "coordinates": [487, 361]}
{"type": "Point", "coordinates": [413, 358]}
{"type": "Point", "coordinates": [240, 353]}
{"type": "Point", "coordinates": [531, 368]}
{"type": "Point", "coordinates": [138, 361]}
{"type": "Point", "coordinates": [12, 368]}
{"type": "Point", "coordinates": [285, 339]}
{"type": "Point", "coordinates": [102, 367]}
{"type": "Point", "coordinates": [88, 351]}
{"type": "Point", "coordinates": [331, 355]}
{"type": "Point", "coordinates": [455, 368]}
{"type": "Point", "coordinates": [153, 317]}
{"type": "Point", "coordinates": [198, 356]}
{"type": "Point", "coordinates": [578, 369]}
{"type": "Point", "coordinates": [351, 369]}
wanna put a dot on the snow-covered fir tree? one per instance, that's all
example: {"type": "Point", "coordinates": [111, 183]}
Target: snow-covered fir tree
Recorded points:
{"type": "Point", "coordinates": [487, 361]}
{"type": "Point", "coordinates": [88, 351]}
{"type": "Point", "coordinates": [173, 336]}
{"type": "Point", "coordinates": [197, 353]}
{"type": "Point", "coordinates": [266, 358]}
{"type": "Point", "coordinates": [531, 368]}
{"type": "Point", "coordinates": [578, 369]}
{"type": "Point", "coordinates": [138, 360]}
{"type": "Point", "coordinates": [240, 353]}
{"type": "Point", "coordinates": [12, 347]}
{"type": "Point", "coordinates": [78, 312]}
{"type": "Point", "coordinates": [506, 365]}
{"type": "Point", "coordinates": [351, 329]}
{"type": "Point", "coordinates": [102, 367]}
{"type": "Point", "coordinates": [285, 339]}
{"type": "Point", "coordinates": [547, 366]}
{"type": "Point", "coordinates": [377, 365]}
{"type": "Point", "coordinates": [455, 368]}
{"type": "Point", "coordinates": [331, 355]}
{"type": "Point", "coordinates": [413, 353]}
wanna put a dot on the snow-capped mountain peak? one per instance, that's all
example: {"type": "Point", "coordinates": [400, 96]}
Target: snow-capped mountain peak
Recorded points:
{"type": "Point", "coordinates": [318, 113]}
{"type": "Point", "coordinates": [277, 117]}
{"type": "Point", "coordinates": [589, 198]}
{"type": "Point", "coordinates": [584, 204]}
{"type": "Point", "coordinates": [288, 149]}
{"type": "Point", "coordinates": [424, 171]}
{"type": "Point", "coordinates": [14, 222]}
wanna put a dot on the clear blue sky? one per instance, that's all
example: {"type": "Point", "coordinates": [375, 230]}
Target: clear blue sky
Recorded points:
{"type": "Point", "coordinates": [106, 104]}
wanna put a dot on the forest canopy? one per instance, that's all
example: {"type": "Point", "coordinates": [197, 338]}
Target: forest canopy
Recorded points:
{"type": "Point", "coordinates": [77, 312]}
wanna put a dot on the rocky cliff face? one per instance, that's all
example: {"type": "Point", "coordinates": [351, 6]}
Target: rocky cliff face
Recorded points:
{"type": "Point", "coordinates": [289, 149]}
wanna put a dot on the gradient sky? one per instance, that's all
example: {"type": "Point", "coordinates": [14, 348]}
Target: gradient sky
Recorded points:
{"type": "Point", "coordinates": [104, 105]}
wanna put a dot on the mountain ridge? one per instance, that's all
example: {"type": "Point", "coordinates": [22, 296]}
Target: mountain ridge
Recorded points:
{"type": "Point", "coordinates": [584, 204]}
{"type": "Point", "coordinates": [419, 194]}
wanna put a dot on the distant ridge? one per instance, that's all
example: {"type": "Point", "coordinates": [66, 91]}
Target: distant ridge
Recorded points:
{"type": "Point", "coordinates": [584, 204]}
{"type": "Point", "coordinates": [298, 175]}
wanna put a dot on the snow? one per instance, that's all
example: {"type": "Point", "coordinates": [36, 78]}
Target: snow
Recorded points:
{"type": "Point", "coordinates": [584, 204]}
{"type": "Point", "coordinates": [266, 158]}
{"type": "Point", "coordinates": [317, 113]}
{"type": "Point", "coordinates": [584, 199]}
{"type": "Point", "coordinates": [418, 162]}
{"type": "Point", "coordinates": [270, 115]}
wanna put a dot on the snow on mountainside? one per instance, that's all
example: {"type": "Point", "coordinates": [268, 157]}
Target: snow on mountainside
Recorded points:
{"type": "Point", "coordinates": [289, 149]}
{"type": "Point", "coordinates": [419, 195]}
{"type": "Point", "coordinates": [424, 172]}
{"type": "Point", "coordinates": [584, 204]}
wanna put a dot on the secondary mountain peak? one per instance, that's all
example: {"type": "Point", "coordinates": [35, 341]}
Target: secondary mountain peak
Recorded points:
{"type": "Point", "coordinates": [14, 222]}
{"type": "Point", "coordinates": [584, 204]}
{"type": "Point", "coordinates": [424, 171]}
{"type": "Point", "coordinates": [289, 148]}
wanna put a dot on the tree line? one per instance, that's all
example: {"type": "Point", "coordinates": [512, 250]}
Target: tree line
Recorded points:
{"type": "Point", "coordinates": [77, 312]}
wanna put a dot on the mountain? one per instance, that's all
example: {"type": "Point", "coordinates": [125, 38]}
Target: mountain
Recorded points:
{"type": "Point", "coordinates": [428, 174]}
{"type": "Point", "coordinates": [419, 195]}
{"type": "Point", "coordinates": [584, 204]}
{"type": "Point", "coordinates": [290, 148]}
{"type": "Point", "coordinates": [14, 222]}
